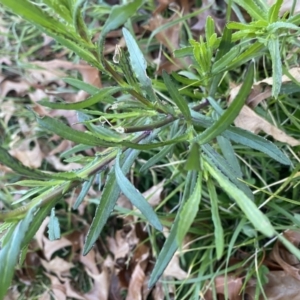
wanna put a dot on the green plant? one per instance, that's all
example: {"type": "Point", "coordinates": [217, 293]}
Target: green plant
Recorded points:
{"type": "Point", "coordinates": [145, 121]}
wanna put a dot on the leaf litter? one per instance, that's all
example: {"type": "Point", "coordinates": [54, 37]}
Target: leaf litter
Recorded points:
{"type": "Point", "coordinates": [249, 120]}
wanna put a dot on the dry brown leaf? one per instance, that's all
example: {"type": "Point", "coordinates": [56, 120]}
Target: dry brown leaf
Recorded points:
{"type": "Point", "coordinates": [168, 37]}
{"type": "Point", "coordinates": [174, 270]}
{"type": "Point", "coordinates": [89, 261]}
{"type": "Point", "coordinates": [208, 5]}
{"type": "Point", "coordinates": [137, 281]}
{"type": "Point", "coordinates": [29, 157]}
{"type": "Point", "coordinates": [47, 246]}
{"type": "Point", "coordinates": [249, 120]}
{"type": "Point", "coordinates": [158, 292]}
{"type": "Point", "coordinates": [20, 88]}
{"type": "Point", "coordinates": [60, 267]}
{"type": "Point", "coordinates": [63, 289]}
{"type": "Point", "coordinates": [7, 110]}
{"type": "Point", "coordinates": [286, 6]}
{"type": "Point", "coordinates": [280, 286]}
{"type": "Point", "coordinates": [295, 72]}
{"type": "Point", "coordinates": [124, 242]}
{"type": "Point", "coordinates": [59, 166]}
{"type": "Point", "coordinates": [100, 290]}
{"type": "Point", "coordinates": [153, 195]}
{"type": "Point", "coordinates": [50, 247]}
{"type": "Point", "coordinates": [233, 286]}
{"type": "Point", "coordinates": [287, 261]}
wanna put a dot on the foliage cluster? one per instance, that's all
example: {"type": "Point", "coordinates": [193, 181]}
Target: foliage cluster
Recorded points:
{"type": "Point", "coordinates": [178, 119]}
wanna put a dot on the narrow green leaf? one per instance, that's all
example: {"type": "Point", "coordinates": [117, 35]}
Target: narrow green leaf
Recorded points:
{"type": "Point", "coordinates": [53, 226]}
{"type": "Point", "coordinates": [250, 52]}
{"type": "Point", "coordinates": [37, 183]}
{"type": "Point", "coordinates": [229, 154]}
{"type": "Point", "coordinates": [225, 43]}
{"type": "Point", "coordinates": [117, 17]}
{"type": "Point", "coordinates": [219, 162]}
{"type": "Point", "coordinates": [39, 217]}
{"type": "Point", "coordinates": [273, 46]}
{"type": "Point", "coordinates": [193, 160]}
{"type": "Point", "coordinates": [138, 64]}
{"type": "Point", "coordinates": [100, 96]}
{"type": "Point", "coordinates": [189, 211]}
{"type": "Point", "coordinates": [78, 21]}
{"type": "Point", "coordinates": [66, 132]}
{"type": "Point", "coordinates": [209, 28]}
{"type": "Point", "coordinates": [84, 190]}
{"type": "Point", "coordinates": [244, 137]}
{"type": "Point", "coordinates": [61, 9]}
{"type": "Point", "coordinates": [273, 13]}
{"type": "Point", "coordinates": [218, 229]}
{"type": "Point", "coordinates": [135, 197]}
{"type": "Point", "coordinates": [254, 215]}
{"type": "Point", "coordinates": [157, 157]}
{"type": "Point", "coordinates": [257, 9]}
{"type": "Point", "coordinates": [176, 97]}
{"type": "Point", "coordinates": [81, 85]}
{"type": "Point", "coordinates": [221, 64]}
{"type": "Point", "coordinates": [230, 114]}
{"type": "Point", "coordinates": [256, 142]}
{"type": "Point", "coordinates": [183, 52]}
{"type": "Point", "coordinates": [57, 127]}
{"type": "Point", "coordinates": [9, 254]}
{"type": "Point", "coordinates": [170, 246]}
{"type": "Point", "coordinates": [18, 167]}
{"type": "Point", "coordinates": [109, 197]}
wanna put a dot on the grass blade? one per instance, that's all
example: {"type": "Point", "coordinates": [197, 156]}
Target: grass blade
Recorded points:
{"type": "Point", "coordinates": [218, 229]}
{"type": "Point", "coordinates": [254, 215]}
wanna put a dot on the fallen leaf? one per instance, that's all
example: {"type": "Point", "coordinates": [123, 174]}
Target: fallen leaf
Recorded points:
{"type": "Point", "coordinates": [29, 157]}
{"type": "Point", "coordinates": [169, 37]}
{"type": "Point", "coordinates": [233, 285]}
{"type": "Point", "coordinates": [153, 195]}
{"type": "Point", "coordinates": [249, 120]}
{"type": "Point", "coordinates": [287, 261]}
{"type": "Point", "coordinates": [60, 267]}
{"type": "Point", "coordinates": [101, 287]}
{"type": "Point", "coordinates": [280, 286]}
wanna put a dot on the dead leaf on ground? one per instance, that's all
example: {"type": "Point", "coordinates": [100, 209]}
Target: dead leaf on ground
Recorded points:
{"type": "Point", "coordinates": [287, 261]}
{"type": "Point", "coordinates": [153, 195]}
{"type": "Point", "coordinates": [29, 157]}
{"type": "Point", "coordinates": [233, 285]}
{"type": "Point", "coordinates": [138, 277]}
{"type": "Point", "coordinates": [168, 37]}
{"type": "Point", "coordinates": [249, 120]}
{"type": "Point", "coordinates": [102, 281]}
{"type": "Point", "coordinates": [210, 9]}
{"type": "Point", "coordinates": [60, 267]}
{"type": "Point", "coordinates": [280, 286]}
